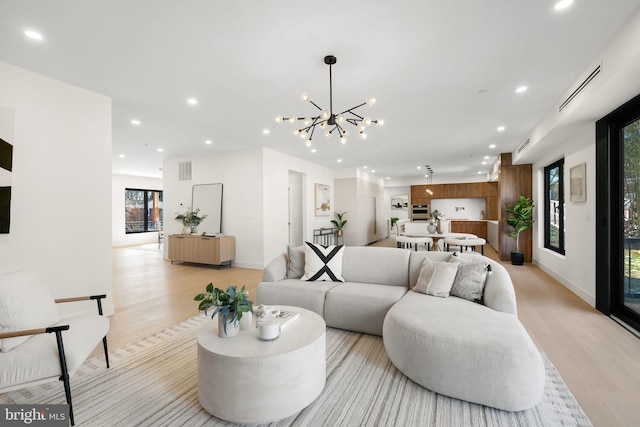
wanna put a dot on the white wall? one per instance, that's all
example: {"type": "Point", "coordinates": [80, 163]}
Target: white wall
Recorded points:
{"type": "Point", "coordinates": [240, 172]}
{"type": "Point", "coordinates": [275, 183]}
{"type": "Point", "coordinates": [60, 211]}
{"type": "Point", "coordinates": [118, 235]}
{"type": "Point", "coordinates": [575, 269]}
{"type": "Point", "coordinates": [363, 198]}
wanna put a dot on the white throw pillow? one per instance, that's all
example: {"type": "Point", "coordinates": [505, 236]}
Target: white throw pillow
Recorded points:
{"type": "Point", "coordinates": [295, 264]}
{"type": "Point", "coordinates": [436, 278]}
{"type": "Point", "coordinates": [323, 263]}
{"type": "Point", "coordinates": [24, 304]}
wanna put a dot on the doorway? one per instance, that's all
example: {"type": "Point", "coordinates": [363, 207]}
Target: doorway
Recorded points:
{"type": "Point", "coordinates": [296, 203]}
{"type": "Point", "coordinates": [618, 214]}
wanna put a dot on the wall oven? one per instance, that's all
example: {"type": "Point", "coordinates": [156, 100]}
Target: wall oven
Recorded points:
{"type": "Point", "coordinates": [420, 213]}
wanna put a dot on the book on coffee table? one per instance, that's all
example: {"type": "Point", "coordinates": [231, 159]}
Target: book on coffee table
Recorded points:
{"type": "Point", "coordinates": [287, 317]}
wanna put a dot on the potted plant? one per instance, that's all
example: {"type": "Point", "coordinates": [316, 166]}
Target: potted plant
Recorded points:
{"type": "Point", "coordinates": [437, 215]}
{"type": "Point", "coordinates": [521, 218]}
{"type": "Point", "coordinates": [190, 220]}
{"type": "Point", "coordinates": [229, 305]}
{"type": "Point", "coordinates": [394, 220]}
{"type": "Point", "coordinates": [339, 222]}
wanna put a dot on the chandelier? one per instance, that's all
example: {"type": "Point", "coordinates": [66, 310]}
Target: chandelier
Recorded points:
{"type": "Point", "coordinates": [328, 121]}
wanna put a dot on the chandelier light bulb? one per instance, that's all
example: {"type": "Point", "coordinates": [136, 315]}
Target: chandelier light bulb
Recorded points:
{"type": "Point", "coordinates": [308, 142]}
{"type": "Point", "coordinates": [280, 119]}
{"type": "Point", "coordinates": [306, 97]}
{"type": "Point", "coordinates": [327, 133]}
{"type": "Point", "coordinates": [293, 119]}
{"type": "Point", "coordinates": [296, 132]}
{"type": "Point", "coordinates": [367, 121]}
{"type": "Point", "coordinates": [363, 135]}
{"type": "Point", "coordinates": [303, 135]}
{"type": "Point", "coordinates": [371, 101]}
{"type": "Point", "coordinates": [345, 132]}
{"type": "Point", "coordinates": [325, 115]}
{"type": "Point", "coordinates": [360, 128]}
{"type": "Point", "coordinates": [380, 122]}
{"type": "Point", "coordinates": [323, 125]}
{"type": "Point", "coordinates": [307, 122]}
{"type": "Point", "coordinates": [340, 119]}
{"type": "Point", "coordinates": [343, 140]}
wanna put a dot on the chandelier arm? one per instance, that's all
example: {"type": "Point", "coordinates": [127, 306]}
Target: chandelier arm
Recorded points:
{"type": "Point", "coordinates": [315, 105]}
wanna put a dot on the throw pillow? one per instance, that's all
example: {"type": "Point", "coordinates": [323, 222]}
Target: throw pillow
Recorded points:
{"type": "Point", "coordinates": [24, 304]}
{"type": "Point", "coordinates": [295, 265]}
{"type": "Point", "coordinates": [470, 279]}
{"type": "Point", "coordinates": [323, 263]}
{"type": "Point", "coordinates": [436, 278]}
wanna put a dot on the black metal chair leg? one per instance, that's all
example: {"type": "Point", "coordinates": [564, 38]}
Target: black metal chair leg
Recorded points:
{"type": "Point", "coordinates": [106, 352]}
{"type": "Point", "coordinates": [65, 373]}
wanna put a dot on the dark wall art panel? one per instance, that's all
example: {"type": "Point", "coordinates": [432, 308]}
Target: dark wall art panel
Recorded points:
{"type": "Point", "coordinates": [6, 164]}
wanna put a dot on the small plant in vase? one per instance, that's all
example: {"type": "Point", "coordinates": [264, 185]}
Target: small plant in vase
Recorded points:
{"type": "Point", "coordinates": [190, 220]}
{"type": "Point", "coordinates": [339, 222]}
{"type": "Point", "coordinates": [437, 216]}
{"type": "Point", "coordinates": [230, 305]}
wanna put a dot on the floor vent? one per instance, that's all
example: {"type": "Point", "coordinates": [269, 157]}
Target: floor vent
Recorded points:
{"type": "Point", "coordinates": [524, 145]}
{"type": "Point", "coordinates": [184, 171]}
{"type": "Point", "coordinates": [580, 88]}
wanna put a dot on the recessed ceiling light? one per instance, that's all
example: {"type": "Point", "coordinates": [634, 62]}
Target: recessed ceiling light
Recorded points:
{"type": "Point", "coordinates": [426, 176]}
{"type": "Point", "coordinates": [373, 171]}
{"type": "Point", "coordinates": [486, 157]}
{"type": "Point", "coordinates": [563, 4]}
{"type": "Point", "coordinates": [208, 142]}
{"type": "Point", "coordinates": [500, 128]}
{"type": "Point", "coordinates": [364, 167]}
{"type": "Point", "coordinates": [479, 172]}
{"type": "Point", "coordinates": [33, 35]}
{"type": "Point", "coordinates": [521, 89]}
{"type": "Point", "coordinates": [492, 146]}
{"type": "Point", "coordinates": [122, 156]}
{"type": "Point", "coordinates": [161, 149]}
{"type": "Point", "coordinates": [313, 150]}
{"type": "Point", "coordinates": [192, 101]}
{"type": "Point", "coordinates": [339, 160]}
{"type": "Point", "coordinates": [484, 163]}
{"type": "Point", "coordinates": [419, 167]}
{"type": "Point", "coordinates": [135, 122]}
{"type": "Point", "coordinates": [388, 177]}
{"type": "Point", "coordinates": [266, 131]}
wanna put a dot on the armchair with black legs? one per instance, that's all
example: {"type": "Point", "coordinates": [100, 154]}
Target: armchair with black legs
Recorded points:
{"type": "Point", "coordinates": [36, 345]}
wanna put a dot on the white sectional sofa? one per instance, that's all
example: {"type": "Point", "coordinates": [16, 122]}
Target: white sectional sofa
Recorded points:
{"type": "Point", "coordinates": [475, 352]}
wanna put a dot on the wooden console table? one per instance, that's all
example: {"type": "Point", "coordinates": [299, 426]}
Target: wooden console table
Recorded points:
{"type": "Point", "coordinates": [202, 249]}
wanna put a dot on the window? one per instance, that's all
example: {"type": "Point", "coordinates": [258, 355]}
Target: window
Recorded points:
{"type": "Point", "coordinates": [554, 206]}
{"type": "Point", "coordinates": [142, 210]}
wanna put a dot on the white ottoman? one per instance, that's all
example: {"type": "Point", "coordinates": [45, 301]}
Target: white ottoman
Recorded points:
{"type": "Point", "coordinates": [464, 350]}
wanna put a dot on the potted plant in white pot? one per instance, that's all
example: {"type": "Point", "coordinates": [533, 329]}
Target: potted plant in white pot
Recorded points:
{"type": "Point", "coordinates": [190, 220]}
{"type": "Point", "coordinates": [521, 218]}
{"type": "Point", "coordinates": [339, 222]}
{"type": "Point", "coordinates": [229, 306]}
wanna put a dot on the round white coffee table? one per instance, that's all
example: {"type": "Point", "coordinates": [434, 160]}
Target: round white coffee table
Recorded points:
{"type": "Point", "coordinates": [245, 380]}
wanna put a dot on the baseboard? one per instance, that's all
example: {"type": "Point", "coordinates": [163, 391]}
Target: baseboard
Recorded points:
{"type": "Point", "coordinates": [586, 296]}
{"type": "Point", "coordinates": [251, 265]}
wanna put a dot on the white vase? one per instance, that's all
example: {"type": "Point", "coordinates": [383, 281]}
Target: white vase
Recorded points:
{"type": "Point", "coordinates": [431, 228]}
{"type": "Point", "coordinates": [245, 322]}
{"type": "Point", "coordinates": [233, 327]}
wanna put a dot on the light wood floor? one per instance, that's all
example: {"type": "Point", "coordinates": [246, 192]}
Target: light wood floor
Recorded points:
{"type": "Point", "coordinates": [598, 359]}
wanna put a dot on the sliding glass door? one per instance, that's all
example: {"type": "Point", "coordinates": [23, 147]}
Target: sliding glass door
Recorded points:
{"type": "Point", "coordinates": [618, 214]}
{"type": "Point", "coordinates": [629, 295]}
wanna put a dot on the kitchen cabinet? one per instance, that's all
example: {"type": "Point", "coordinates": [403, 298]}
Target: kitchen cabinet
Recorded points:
{"type": "Point", "coordinates": [479, 228]}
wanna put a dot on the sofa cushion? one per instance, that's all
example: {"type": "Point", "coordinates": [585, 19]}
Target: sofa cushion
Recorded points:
{"type": "Point", "coordinates": [378, 266]}
{"type": "Point", "coordinates": [24, 304]}
{"type": "Point", "coordinates": [470, 279]}
{"type": "Point", "coordinates": [360, 307]}
{"type": "Point", "coordinates": [436, 278]}
{"type": "Point", "coordinates": [416, 259]}
{"type": "Point", "coordinates": [294, 292]}
{"type": "Point", "coordinates": [295, 262]}
{"type": "Point", "coordinates": [322, 263]}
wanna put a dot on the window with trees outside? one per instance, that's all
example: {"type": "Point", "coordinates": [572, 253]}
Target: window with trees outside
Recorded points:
{"type": "Point", "coordinates": [554, 206]}
{"type": "Point", "coordinates": [143, 210]}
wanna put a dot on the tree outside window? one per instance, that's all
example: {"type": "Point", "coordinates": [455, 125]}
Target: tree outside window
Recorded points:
{"type": "Point", "coordinates": [143, 210]}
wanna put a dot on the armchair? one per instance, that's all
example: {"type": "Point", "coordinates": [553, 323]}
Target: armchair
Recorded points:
{"type": "Point", "coordinates": [37, 346]}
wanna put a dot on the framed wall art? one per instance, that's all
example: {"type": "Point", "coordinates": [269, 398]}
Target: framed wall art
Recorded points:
{"type": "Point", "coordinates": [322, 200]}
{"type": "Point", "coordinates": [578, 183]}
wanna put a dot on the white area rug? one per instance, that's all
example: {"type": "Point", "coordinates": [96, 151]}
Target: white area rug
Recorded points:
{"type": "Point", "coordinates": [153, 383]}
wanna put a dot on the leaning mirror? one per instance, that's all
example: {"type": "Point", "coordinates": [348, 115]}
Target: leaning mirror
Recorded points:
{"type": "Point", "coordinates": [208, 198]}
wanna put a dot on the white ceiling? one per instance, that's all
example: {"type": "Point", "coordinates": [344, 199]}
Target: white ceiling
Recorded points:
{"type": "Point", "coordinates": [426, 62]}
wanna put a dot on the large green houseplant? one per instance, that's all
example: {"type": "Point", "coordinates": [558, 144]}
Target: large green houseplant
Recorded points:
{"type": "Point", "coordinates": [521, 218]}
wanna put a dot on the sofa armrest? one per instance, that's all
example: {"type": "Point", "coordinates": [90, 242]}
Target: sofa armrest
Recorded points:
{"type": "Point", "coordinates": [499, 293]}
{"type": "Point", "coordinates": [276, 269]}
